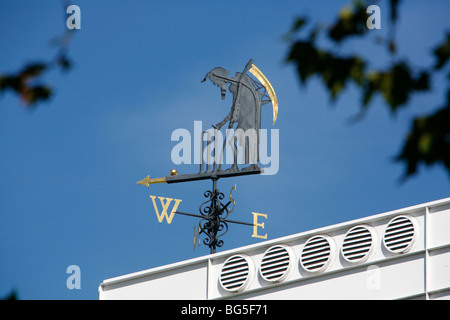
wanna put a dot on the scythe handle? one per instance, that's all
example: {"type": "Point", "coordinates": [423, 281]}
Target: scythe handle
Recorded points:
{"type": "Point", "coordinates": [238, 93]}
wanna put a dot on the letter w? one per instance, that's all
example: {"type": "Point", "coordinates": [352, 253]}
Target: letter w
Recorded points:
{"type": "Point", "coordinates": [165, 206]}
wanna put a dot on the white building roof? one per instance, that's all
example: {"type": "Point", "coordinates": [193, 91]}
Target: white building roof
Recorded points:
{"type": "Point", "coordinates": [401, 254]}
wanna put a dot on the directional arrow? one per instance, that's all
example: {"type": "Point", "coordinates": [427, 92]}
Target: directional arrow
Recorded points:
{"type": "Point", "coordinates": [216, 174]}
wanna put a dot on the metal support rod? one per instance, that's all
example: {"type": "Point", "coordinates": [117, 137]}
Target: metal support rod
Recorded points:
{"type": "Point", "coordinates": [215, 150]}
{"type": "Point", "coordinates": [208, 146]}
{"type": "Point", "coordinates": [201, 151]}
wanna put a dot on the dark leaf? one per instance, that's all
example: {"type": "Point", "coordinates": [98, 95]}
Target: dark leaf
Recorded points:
{"type": "Point", "coordinates": [394, 10]}
{"type": "Point", "coordinates": [428, 142]}
{"type": "Point", "coordinates": [299, 23]}
{"type": "Point", "coordinates": [32, 95]}
{"type": "Point", "coordinates": [9, 82]}
{"type": "Point", "coordinates": [64, 62]}
{"type": "Point", "coordinates": [422, 82]}
{"type": "Point", "coordinates": [396, 85]}
{"type": "Point", "coordinates": [442, 53]}
{"type": "Point", "coordinates": [351, 22]}
{"type": "Point", "coordinates": [392, 47]}
{"type": "Point", "coordinates": [306, 57]}
{"type": "Point", "coordinates": [11, 296]}
{"type": "Point", "coordinates": [32, 70]}
{"type": "Point", "coordinates": [337, 71]}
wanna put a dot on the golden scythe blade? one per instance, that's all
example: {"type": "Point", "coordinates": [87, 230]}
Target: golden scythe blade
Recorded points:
{"type": "Point", "coordinates": [273, 97]}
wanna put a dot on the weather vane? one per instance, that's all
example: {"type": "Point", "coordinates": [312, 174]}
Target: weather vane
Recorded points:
{"type": "Point", "coordinates": [248, 97]}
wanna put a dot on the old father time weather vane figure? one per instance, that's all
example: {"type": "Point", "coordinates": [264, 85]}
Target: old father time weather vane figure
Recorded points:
{"type": "Point", "coordinates": [248, 97]}
{"type": "Point", "coordinates": [246, 107]}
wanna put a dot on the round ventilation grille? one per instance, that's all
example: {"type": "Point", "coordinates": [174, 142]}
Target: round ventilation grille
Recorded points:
{"type": "Point", "coordinates": [275, 264]}
{"type": "Point", "coordinates": [399, 235]}
{"type": "Point", "coordinates": [317, 253]}
{"type": "Point", "coordinates": [236, 272]}
{"type": "Point", "coordinates": [358, 244]}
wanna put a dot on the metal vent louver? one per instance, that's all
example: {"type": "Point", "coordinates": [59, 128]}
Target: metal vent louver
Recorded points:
{"type": "Point", "coordinates": [316, 254]}
{"type": "Point", "coordinates": [276, 263]}
{"type": "Point", "coordinates": [236, 273]}
{"type": "Point", "coordinates": [400, 234]}
{"type": "Point", "coordinates": [358, 244]}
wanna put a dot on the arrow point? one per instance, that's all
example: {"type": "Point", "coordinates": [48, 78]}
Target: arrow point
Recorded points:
{"type": "Point", "coordinates": [145, 181]}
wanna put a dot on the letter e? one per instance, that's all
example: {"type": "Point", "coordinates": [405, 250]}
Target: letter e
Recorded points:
{"type": "Point", "coordinates": [256, 225]}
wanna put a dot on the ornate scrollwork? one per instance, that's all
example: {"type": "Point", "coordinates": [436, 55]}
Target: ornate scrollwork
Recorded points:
{"type": "Point", "coordinates": [213, 225]}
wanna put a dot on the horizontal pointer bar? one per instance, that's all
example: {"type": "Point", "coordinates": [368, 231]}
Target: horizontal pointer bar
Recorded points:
{"type": "Point", "coordinates": [216, 174]}
{"type": "Point", "coordinates": [205, 217]}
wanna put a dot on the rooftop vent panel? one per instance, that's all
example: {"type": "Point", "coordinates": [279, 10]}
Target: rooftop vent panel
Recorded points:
{"type": "Point", "coordinates": [236, 273]}
{"type": "Point", "coordinates": [358, 244]}
{"type": "Point", "coordinates": [317, 253]}
{"type": "Point", "coordinates": [400, 234]}
{"type": "Point", "coordinates": [276, 263]}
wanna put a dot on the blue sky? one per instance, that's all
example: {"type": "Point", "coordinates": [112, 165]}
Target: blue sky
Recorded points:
{"type": "Point", "coordinates": [68, 169]}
